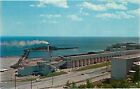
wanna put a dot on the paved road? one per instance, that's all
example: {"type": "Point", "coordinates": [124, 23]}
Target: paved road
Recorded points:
{"type": "Point", "coordinates": [59, 80]}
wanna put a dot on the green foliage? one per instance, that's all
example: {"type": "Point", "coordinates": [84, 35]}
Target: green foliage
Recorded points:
{"type": "Point", "coordinates": [73, 85]}
{"type": "Point", "coordinates": [82, 86]}
{"type": "Point", "coordinates": [27, 79]}
{"type": "Point", "coordinates": [109, 84]}
{"type": "Point", "coordinates": [106, 86]}
{"type": "Point", "coordinates": [120, 84]}
{"type": "Point", "coordinates": [94, 66]}
{"type": "Point", "coordinates": [136, 75]}
{"type": "Point", "coordinates": [54, 74]}
{"type": "Point", "coordinates": [138, 84]}
{"type": "Point", "coordinates": [89, 84]}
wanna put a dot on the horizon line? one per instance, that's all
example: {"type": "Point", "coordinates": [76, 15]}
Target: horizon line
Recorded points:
{"type": "Point", "coordinates": [74, 36]}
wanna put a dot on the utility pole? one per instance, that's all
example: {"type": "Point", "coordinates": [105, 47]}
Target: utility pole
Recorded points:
{"type": "Point", "coordinates": [15, 81]}
{"type": "Point", "coordinates": [106, 65]}
{"type": "Point", "coordinates": [71, 64]}
{"type": "Point", "coordinates": [52, 81]}
{"type": "Point", "coordinates": [49, 52]}
{"type": "Point", "coordinates": [31, 83]}
{"type": "Point", "coordinates": [32, 80]}
{"type": "Point", "coordinates": [50, 56]}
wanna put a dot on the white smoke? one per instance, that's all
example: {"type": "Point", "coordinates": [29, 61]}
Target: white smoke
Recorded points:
{"type": "Point", "coordinates": [44, 42]}
{"type": "Point", "coordinates": [23, 43]}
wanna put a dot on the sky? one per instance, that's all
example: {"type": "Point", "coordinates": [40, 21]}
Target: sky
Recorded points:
{"type": "Point", "coordinates": [71, 18]}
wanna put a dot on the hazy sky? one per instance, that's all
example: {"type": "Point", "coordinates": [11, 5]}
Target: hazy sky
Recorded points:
{"type": "Point", "coordinates": [70, 18]}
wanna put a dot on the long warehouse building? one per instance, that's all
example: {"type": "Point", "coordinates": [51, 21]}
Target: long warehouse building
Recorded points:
{"type": "Point", "coordinates": [87, 59]}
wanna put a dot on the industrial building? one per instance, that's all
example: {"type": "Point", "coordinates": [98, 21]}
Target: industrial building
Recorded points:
{"type": "Point", "coordinates": [71, 61]}
{"type": "Point", "coordinates": [41, 68]}
{"type": "Point", "coordinates": [122, 65]}
{"type": "Point", "coordinates": [87, 59]}
{"type": "Point", "coordinates": [123, 46]}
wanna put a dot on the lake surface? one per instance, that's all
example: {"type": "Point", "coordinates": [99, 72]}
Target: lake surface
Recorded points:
{"type": "Point", "coordinates": [14, 46]}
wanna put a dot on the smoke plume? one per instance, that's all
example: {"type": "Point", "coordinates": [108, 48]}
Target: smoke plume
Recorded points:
{"type": "Point", "coordinates": [23, 43]}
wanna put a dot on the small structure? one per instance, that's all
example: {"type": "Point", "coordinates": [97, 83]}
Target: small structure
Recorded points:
{"type": "Point", "coordinates": [122, 65]}
{"type": "Point", "coordinates": [123, 46]}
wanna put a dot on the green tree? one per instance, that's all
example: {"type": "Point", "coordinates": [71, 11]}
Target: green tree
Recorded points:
{"type": "Point", "coordinates": [89, 84]}
{"type": "Point", "coordinates": [73, 85]}
{"type": "Point", "coordinates": [138, 86]}
{"type": "Point", "coordinates": [106, 86]}
{"type": "Point", "coordinates": [120, 84]}
{"type": "Point", "coordinates": [136, 76]}
{"type": "Point", "coordinates": [82, 86]}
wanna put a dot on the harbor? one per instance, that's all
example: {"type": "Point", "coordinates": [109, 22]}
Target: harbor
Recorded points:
{"type": "Point", "coordinates": [43, 67]}
{"type": "Point", "coordinates": [69, 44]}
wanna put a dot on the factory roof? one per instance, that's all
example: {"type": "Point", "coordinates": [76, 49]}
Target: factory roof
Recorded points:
{"type": "Point", "coordinates": [102, 53]}
{"type": "Point", "coordinates": [32, 62]}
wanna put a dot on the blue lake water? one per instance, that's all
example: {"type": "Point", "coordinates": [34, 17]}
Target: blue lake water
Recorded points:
{"type": "Point", "coordinates": [14, 46]}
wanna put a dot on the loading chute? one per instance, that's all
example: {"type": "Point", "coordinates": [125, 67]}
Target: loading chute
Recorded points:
{"type": "Point", "coordinates": [47, 48]}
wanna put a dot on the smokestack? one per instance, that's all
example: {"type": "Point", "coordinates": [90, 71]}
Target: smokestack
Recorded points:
{"type": "Point", "coordinates": [48, 48]}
